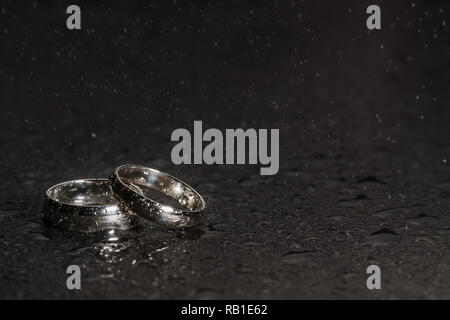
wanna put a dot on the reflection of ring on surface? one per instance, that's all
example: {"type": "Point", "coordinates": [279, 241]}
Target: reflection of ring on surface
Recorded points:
{"type": "Point", "coordinates": [86, 205]}
{"type": "Point", "coordinates": [132, 183]}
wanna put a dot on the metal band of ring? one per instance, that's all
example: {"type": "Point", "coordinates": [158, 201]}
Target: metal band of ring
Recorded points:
{"type": "Point", "coordinates": [86, 205]}
{"type": "Point", "coordinates": [130, 181]}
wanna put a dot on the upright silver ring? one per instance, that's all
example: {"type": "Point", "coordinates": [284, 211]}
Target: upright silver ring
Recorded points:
{"type": "Point", "coordinates": [133, 183]}
{"type": "Point", "coordinates": [86, 205]}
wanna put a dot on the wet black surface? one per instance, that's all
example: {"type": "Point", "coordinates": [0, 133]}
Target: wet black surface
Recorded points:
{"type": "Point", "coordinates": [364, 152]}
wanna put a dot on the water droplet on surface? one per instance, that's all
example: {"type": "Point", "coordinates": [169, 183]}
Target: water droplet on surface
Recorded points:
{"type": "Point", "coordinates": [297, 257]}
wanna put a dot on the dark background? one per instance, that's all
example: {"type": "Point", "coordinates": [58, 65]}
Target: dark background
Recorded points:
{"type": "Point", "coordinates": [364, 154]}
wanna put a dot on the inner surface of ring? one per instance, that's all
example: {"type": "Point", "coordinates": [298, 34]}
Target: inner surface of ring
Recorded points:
{"type": "Point", "coordinates": [140, 178]}
{"type": "Point", "coordinates": [84, 193]}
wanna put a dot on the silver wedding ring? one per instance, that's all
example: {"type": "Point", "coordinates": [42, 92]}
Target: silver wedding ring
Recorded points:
{"type": "Point", "coordinates": [134, 185]}
{"type": "Point", "coordinates": [91, 205]}
{"type": "Point", "coordinates": [86, 205]}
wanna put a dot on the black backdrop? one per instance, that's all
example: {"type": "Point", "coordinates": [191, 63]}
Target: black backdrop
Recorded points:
{"type": "Point", "coordinates": [364, 152]}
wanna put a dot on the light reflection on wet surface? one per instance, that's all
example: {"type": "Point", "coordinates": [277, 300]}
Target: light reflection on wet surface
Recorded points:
{"type": "Point", "coordinates": [248, 246]}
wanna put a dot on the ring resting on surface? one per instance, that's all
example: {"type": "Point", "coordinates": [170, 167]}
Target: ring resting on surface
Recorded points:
{"type": "Point", "coordinates": [132, 183]}
{"type": "Point", "coordinates": [86, 205]}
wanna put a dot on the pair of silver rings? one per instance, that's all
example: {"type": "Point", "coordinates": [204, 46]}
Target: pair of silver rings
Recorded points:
{"type": "Point", "coordinates": [91, 205]}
